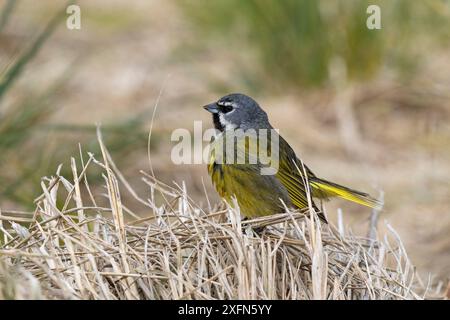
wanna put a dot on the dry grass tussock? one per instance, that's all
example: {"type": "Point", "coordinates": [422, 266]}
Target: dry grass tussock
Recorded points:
{"type": "Point", "coordinates": [73, 248]}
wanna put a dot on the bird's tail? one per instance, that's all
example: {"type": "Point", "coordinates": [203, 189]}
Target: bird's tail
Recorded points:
{"type": "Point", "coordinates": [324, 189]}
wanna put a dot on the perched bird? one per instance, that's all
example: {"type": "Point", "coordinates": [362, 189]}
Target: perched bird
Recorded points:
{"type": "Point", "coordinates": [259, 194]}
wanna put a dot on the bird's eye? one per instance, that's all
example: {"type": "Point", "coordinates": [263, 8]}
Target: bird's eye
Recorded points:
{"type": "Point", "coordinates": [225, 107]}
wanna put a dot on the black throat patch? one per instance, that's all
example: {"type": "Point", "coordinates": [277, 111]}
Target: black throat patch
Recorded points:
{"type": "Point", "coordinates": [217, 123]}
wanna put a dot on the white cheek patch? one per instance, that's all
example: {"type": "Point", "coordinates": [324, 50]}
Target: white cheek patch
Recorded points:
{"type": "Point", "coordinates": [228, 125]}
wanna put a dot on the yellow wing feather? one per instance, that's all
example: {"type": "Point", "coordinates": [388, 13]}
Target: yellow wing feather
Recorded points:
{"type": "Point", "coordinates": [260, 195]}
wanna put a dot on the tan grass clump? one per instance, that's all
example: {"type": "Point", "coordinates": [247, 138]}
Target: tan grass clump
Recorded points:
{"type": "Point", "coordinates": [74, 248]}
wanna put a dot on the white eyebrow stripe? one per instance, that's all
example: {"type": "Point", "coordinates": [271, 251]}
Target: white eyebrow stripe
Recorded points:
{"type": "Point", "coordinates": [226, 103]}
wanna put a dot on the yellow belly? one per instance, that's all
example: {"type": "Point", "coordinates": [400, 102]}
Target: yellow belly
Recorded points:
{"type": "Point", "coordinates": [257, 195]}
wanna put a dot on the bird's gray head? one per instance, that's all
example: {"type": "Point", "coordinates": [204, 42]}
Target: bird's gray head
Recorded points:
{"type": "Point", "coordinates": [237, 110]}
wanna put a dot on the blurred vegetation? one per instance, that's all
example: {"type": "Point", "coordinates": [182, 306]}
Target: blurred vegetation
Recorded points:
{"type": "Point", "coordinates": [298, 46]}
{"type": "Point", "coordinates": [297, 41]}
{"type": "Point", "coordinates": [29, 140]}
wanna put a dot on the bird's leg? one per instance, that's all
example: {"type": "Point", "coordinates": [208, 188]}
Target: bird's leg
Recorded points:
{"type": "Point", "coordinates": [258, 230]}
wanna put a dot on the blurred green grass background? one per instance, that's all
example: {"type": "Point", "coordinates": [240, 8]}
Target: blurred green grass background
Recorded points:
{"type": "Point", "coordinates": [363, 107]}
{"type": "Point", "coordinates": [296, 41]}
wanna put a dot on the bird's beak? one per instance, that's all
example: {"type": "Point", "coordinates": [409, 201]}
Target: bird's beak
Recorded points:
{"type": "Point", "coordinates": [212, 107]}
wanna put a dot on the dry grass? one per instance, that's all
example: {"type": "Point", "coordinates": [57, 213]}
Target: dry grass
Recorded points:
{"type": "Point", "coordinates": [75, 248]}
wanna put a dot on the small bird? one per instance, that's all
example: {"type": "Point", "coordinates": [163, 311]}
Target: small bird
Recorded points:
{"type": "Point", "coordinates": [260, 194]}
